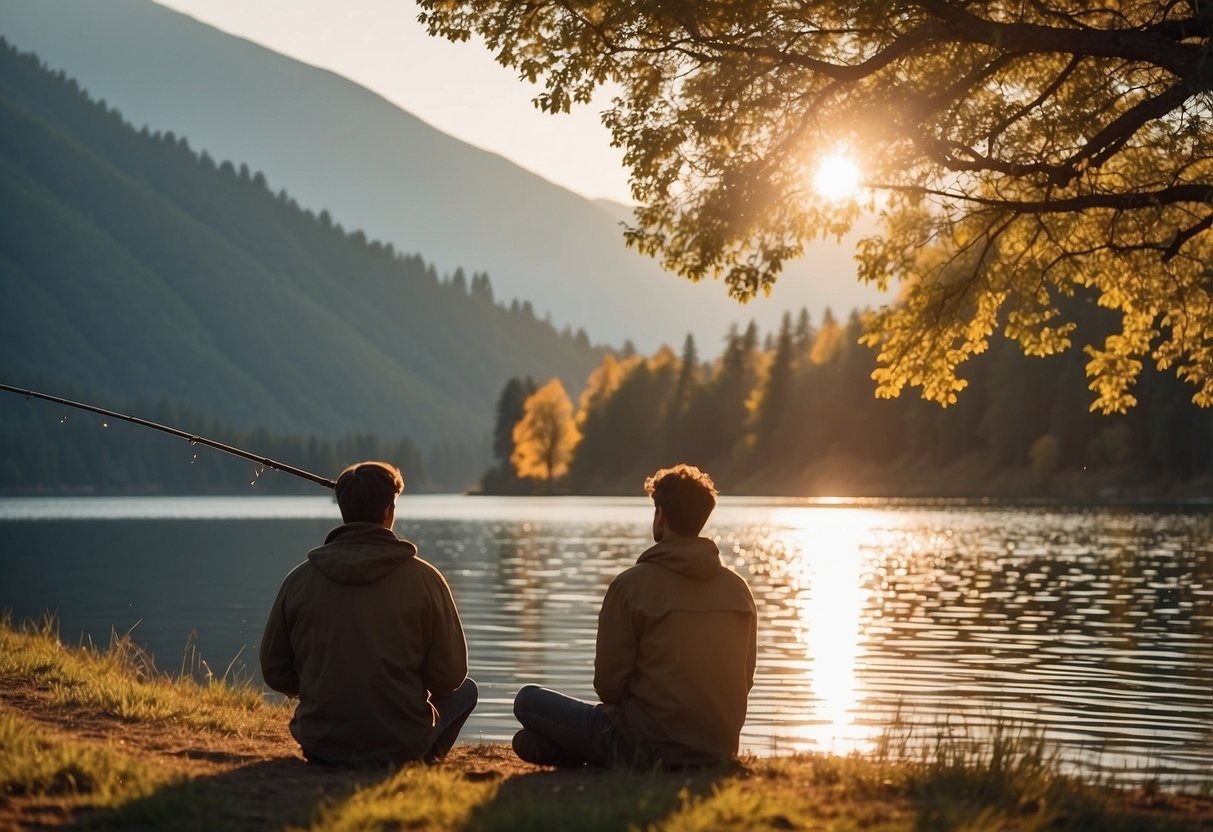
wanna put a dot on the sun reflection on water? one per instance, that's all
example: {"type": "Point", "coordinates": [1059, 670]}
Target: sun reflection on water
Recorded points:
{"type": "Point", "coordinates": [1090, 627]}
{"type": "Point", "coordinates": [829, 552]}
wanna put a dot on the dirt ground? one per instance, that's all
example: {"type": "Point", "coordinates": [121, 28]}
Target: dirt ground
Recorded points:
{"type": "Point", "coordinates": [263, 782]}
{"type": "Point", "coordinates": [266, 772]}
{"type": "Point", "coordinates": [255, 778]}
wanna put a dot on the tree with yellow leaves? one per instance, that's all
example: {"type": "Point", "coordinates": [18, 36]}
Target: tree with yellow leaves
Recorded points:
{"type": "Point", "coordinates": [545, 436]}
{"type": "Point", "coordinates": [1018, 154]}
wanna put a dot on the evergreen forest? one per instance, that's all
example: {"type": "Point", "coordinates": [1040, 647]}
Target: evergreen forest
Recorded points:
{"type": "Point", "coordinates": [136, 269]}
{"type": "Point", "coordinates": [793, 412]}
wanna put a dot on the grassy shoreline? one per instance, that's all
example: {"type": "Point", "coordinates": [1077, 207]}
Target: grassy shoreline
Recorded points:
{"type": "Point", "coordinates": [98, 739]}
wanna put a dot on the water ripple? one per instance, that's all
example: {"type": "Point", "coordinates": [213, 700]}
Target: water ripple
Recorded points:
{"type": "Point", "coordinates": [1093, 628]}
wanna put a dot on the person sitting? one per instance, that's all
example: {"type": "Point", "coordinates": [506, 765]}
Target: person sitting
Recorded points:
{"type": "Point", "coordinates": [366, 634]}
{"type": "Point", "coordinates": [675, 655]}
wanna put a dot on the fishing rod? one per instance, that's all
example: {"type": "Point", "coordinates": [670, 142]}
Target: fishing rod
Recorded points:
{"type": "Point", "coordinates": [193, 439]}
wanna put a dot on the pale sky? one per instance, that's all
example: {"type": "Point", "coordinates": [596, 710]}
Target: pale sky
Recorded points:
{"type": "Point", "coordinates": [456, 87]}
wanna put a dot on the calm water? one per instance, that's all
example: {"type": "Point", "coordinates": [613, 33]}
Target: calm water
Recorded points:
{"type": "Point", "coordinates": [1093, 626]}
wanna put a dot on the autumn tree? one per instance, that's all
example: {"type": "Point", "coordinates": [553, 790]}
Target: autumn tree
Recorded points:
{"type": "Point", "coordinates": [621, 423]}
{"type": "Point", "coordinates": [545, 436]}
{"type": "Point", "coordinates": [827, 341]}
{"type": "Point", "coordinates": [601, 386]}
{"type": "Point", "coordinates": [604, 380]}
{"type": "Point", "coordinates": [1017, 153]}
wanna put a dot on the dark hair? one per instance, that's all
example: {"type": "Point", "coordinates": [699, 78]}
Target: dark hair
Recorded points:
{"type": "Point", "coordinates": [685, 495]}
{"type": "Point", "coordinates": [365, 490]}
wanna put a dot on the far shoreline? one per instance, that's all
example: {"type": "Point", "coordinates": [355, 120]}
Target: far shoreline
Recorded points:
{"type": "Point", "coordinates": [1182, 499]}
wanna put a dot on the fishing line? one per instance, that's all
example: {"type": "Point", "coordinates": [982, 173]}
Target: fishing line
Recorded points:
{"type": "Point", "coordinates": [193, 439]}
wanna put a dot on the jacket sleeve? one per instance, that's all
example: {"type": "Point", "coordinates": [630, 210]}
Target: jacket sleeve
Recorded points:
{"type": "Point", "coordinates": [446, 658]}
{"type": "Point", "coordinates": [615, 654]}
{"type": "Point", "coordinates": [277, 657]}
{"type": "Point", "coordinates": [752, 650]}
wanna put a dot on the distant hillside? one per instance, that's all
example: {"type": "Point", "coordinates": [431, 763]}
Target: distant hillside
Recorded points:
{"type": "Point", "coordinates": [132, 266]}
{"type": "Point", "coordinates": [335, 145]}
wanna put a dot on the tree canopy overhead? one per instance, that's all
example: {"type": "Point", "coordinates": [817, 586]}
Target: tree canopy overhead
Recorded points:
{"type": "Point", "coordinates": [1017, 153]}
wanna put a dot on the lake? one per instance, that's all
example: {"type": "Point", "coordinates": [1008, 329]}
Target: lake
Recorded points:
{"type": "Point", "coordinates": [1091, 626]}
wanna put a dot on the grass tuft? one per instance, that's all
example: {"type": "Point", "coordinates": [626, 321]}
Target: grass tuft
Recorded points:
{"type": "Point", "coordinates": [122, 681]}
{"type": "Point", "coordinates": [37, 765]}
{"type": "Point", "coordinates": [415, 797]}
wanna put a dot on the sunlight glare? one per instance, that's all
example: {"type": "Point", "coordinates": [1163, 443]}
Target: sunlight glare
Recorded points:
{"type": "Point", "coordinates": [831, 613]}
{"type": "Point", "coordinates": [837, 177]}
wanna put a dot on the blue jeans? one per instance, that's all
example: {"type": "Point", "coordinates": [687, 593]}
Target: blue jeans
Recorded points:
{"type": "Point", "coordinates": [453, 710]}
{"type": "Point", "coordinates": [558, 730]}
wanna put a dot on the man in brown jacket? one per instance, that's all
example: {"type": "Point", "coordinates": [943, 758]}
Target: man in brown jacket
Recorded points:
{"type": "Point", "coordinates": [677, 646]}
{"type": "Point", "coordinates": [367, 636]}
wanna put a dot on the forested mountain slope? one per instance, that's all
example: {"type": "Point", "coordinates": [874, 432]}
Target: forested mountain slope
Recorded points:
{"type": "Point", "coordinates": [137, 268]}
{"type": "Point", "coordinates": [337, 146]}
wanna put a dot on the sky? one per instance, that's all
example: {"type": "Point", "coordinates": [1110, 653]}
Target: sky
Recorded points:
{"type": "Point", "coordinates": [456, 87]}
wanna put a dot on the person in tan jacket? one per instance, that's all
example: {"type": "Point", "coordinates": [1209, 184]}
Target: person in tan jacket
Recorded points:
{"type": "Point", "coordinates": [367, 636]}
{"type": "Point", "coordinates": [676, 652]}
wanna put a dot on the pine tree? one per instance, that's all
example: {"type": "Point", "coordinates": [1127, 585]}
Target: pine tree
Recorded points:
{"type": "Point", "coordinates": [510, 408]}
{"type": "Point", "coordinates": [688, 377]}
{"type": "Point", "coordinates": [774, 392]}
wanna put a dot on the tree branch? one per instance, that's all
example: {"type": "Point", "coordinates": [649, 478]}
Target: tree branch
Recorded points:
{"type": "Point", "coordinates": [901, 45]}
{"type": "Point", "coordinates": [1186, 234]}
{"type": "Point", "coordinates": [1044, 96]}
{"type": "Point", "coordinates": [1108, 141]}
{"type": "Point", "coordinates": [1172, 195]}
{"type": "Point", "coordinates": [1152, 47]}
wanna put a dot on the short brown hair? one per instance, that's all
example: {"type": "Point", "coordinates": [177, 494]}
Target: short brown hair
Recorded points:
{"type": "Point", "coordinates": [685, 495]}
{"type": "Point", "coordinates": [365, 490]}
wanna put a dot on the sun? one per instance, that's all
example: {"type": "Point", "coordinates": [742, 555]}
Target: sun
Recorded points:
{"type": "Point", "coordinates": [837, 177]}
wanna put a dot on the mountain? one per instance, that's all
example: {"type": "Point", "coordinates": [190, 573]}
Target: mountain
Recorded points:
{"type": "Point", "coordinates": [135, 267]}
{"type": "Point", "coordinates": [340, 147]}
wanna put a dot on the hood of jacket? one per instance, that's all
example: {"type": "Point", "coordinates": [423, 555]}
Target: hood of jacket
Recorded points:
{"type": "Point", "coordinates": [360, 553]}
{"type": "Point", "coordinates": [695, 557]}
